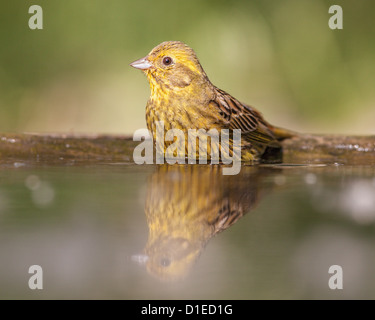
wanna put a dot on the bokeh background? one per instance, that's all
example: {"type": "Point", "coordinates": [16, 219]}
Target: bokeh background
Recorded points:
{"type": "Point", "coordinates": [280, 56]}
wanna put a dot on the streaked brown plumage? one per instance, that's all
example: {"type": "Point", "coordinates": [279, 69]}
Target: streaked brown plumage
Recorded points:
{"type": "Point", "coordinates": [184, 98]}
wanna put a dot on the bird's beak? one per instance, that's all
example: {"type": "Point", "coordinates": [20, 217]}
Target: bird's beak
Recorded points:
{"type": "Point", "coordinates": [140, 258]}
{"type": "Point", "coordinates": [142, 64]}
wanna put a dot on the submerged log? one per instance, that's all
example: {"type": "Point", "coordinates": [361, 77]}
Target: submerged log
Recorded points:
{"type": "Point", "coordinates": [302, 149]}
{"type": "Point", "coordinates": [57, 147]}
{"type": "Point", "coordinates": [350, 150]}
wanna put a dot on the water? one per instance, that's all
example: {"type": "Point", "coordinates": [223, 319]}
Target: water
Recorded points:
{"type": "Point", "coordinates": [112, 230]}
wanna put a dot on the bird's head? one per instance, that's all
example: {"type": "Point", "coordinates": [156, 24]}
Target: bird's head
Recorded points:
{"type": "Point", "coordinates": [172, 65]}
{"type": "Point", "coordinates": [168, 258]}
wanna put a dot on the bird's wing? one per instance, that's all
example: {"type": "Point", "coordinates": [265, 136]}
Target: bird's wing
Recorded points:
{"type": "Point", "coordinates": [240, 116]}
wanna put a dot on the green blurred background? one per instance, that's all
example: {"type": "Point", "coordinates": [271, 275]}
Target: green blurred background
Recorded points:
{"type": "Point", "coordinates": [280, 56]}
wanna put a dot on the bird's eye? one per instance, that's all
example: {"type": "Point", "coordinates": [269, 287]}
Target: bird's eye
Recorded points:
{"type": "Point", "coordinates": [165, 262]}
{"type": "Point", "coordinates": [167, 61]}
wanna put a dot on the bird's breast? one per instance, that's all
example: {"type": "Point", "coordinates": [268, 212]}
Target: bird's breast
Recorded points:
{"type": "Point", "coordinates": [177, 113]}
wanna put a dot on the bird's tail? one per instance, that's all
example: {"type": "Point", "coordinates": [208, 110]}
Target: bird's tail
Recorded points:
{"type": "Point", "coordinates": [273, 153]}
{"type": "Point", "coordinates": [282, 134]}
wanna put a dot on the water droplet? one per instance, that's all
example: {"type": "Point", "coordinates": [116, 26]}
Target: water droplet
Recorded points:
{"type": "Point", "coordinates": [44, 195]}
{"type": "Point", "coordinates": [310, 178]}
{"type": "Point", "coordinates": [32, 182]}
{"type": "Point", "coordinates": [280, 179]}
{"type": "Point", "coordinates": [358, 200]}
{"type": "Point", "coordinates": [18, 164]}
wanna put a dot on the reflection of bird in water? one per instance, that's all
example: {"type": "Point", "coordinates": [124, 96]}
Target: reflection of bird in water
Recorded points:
{"type": "Point", "coordinates": [185, 207]}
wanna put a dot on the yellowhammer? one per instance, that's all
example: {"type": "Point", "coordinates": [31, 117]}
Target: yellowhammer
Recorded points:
{"type": "Point", "coordinates": [183, 98]}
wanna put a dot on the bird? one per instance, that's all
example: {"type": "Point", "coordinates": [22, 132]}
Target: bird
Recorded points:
{"type": "Point", "coordinates": [183, 97]}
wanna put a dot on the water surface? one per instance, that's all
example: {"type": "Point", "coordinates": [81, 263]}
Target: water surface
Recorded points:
{"type": "Point", "coordinates": [123, 231]}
